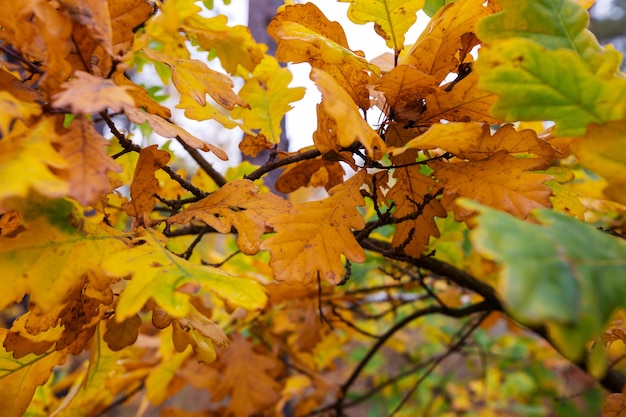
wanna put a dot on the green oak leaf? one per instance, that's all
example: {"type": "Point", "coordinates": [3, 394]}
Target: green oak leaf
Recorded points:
{"type": "Point", "coordinates": [562, 272]}
{"type": "Point", "coordinates": [536, 84]}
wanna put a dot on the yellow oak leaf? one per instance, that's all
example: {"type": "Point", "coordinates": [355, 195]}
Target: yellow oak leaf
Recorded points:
{"type": "Point", "coordinates": [195, 79]}
{"type": "Point", "coordinates": [32, 148]}
{"type": "Point", "coordinates": [392, 18]}
{"type": "Point", "coordinates": [195, 111]}
{"type": "Point", "coordinates": [350, 125]}
{"type": "Point", "coordinates": [500, 181]}
{"type": "Point", "coordinates": [145, 184]}
{"type": "Point", "coordinates": [304, 34]}
{"type": "Point", "coordinates": [12, 108]}
{"type": "Point", "coordinates": [269, 97]}
{"type": "Point", "coordinates": [61, 242]}
{"type": "Point", "coordinates": [84, 150]}
{"type": "Point", "coordinates": [435, 52]}
{"type": "Point", "coordinates": [603, 150]}
{"type": "Point", "coordinates": [170, 130]}
{"type": "Point", "coordinates": [237, 204]}
{"type": "Point", "coordinates": [170, 281]}
{"type": "Point", "coordinates": [453, 137]}
{"type": "Point", "coordinates": [524, 144]}
{"type": "Point", "coordinates": [234, 45]}
{"type": "Point", "coordinates": [86, 94]}
{"type": "Point", "coordinates": [163, 380]}
{"type": "Point", "coordinates": [313, 236]}
{"type": "Point", "coordinates": [21, 377]}
{"type": "Point", "coordinates": [464, 102]}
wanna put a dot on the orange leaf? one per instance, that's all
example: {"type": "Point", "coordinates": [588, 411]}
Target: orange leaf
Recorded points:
{"type": "Point", "coordinates": [453, 137]}
{"type": "Point", "coordinates": [247, 379]}
{"type": "Point", "coordinates": [93, 16]}
{"type": "Point", "coordinates": [464, 102]}
{"type": "Point", "coordinates": [311, 173]}
{"type": "Point", "coordinates": [237, 204]}
{"type": "Point", "coordinates": [170, 130]}
{"type": "Point", "coordinates": [404, 89]}
{"type": "Point", "coordinates": [614, 405]}
{"type": "Point", "coordinates": [141, 97]}
{"type": "Point", "coordinates": [84, 150]}
{"type": "Point", "coordinates": [145, 184]}
{"type": "Point", "coordinates": [500, 181]}
{"type": "Point", "coordinates": [86, 94]}
{"type": "Point", "coordinates": [524, 144]}
{"type": "Point", "coordinates": [311, 238]}
{"type": "Point", "coordinates": [339, 106]}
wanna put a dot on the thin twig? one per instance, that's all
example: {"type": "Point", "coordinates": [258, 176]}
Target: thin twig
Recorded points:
{"type": "Point", "coordinates": [272, 165]}
{"type": "Point", "coordinates": [203, 163]}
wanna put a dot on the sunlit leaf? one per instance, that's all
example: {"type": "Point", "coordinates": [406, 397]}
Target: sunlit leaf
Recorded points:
{"type": "Point", "coordinates": [392, 18]}
{"type": "Point", "coordinates": [170, 281]}
{"type": "Point", "coordinates": [349, 124]}
{"type": "Point", "coordinates": [269, 97]}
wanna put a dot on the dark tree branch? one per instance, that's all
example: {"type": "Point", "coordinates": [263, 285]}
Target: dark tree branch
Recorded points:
{"type": "Point", "coordinates": [272, 165]}
{"type": "Point", "coordinates": [203, 163]}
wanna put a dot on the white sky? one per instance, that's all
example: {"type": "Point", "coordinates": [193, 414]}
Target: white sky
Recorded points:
{"type": "Point", "coordinates": [301, 121]}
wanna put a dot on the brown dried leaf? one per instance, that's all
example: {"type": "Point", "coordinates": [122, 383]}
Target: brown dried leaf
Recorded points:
{"type": "Point", "coordinates": [84, 150]}
{"type": "Point", "coordinates": [121, 334]}
{"type": "Point", "coordinates": [145, 184]}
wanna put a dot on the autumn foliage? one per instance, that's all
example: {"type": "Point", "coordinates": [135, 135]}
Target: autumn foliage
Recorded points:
{"type": "Point", "coordinates": [463, 252]}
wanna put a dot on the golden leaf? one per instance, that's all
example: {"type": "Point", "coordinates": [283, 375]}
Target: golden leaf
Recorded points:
{"type": "Point", "coordinates": [453, 137]}
{"type": "Point", "coordinates": [12, 108]}
{"type": "Point", "coordinates": [463, 103]}
{"type": "Point", "coordinates": [86, 94]}
{"type": "Point", "coordinates": [392, 18]}
{"type": "Point", "coordinates": [603, 149]}
{"type": "Point", "coordinates": [404, 88]}
{"type": "Point", "coordinates": [246, 377]}
{"type": "Point", "coordinates": [339, 106]}
{"type": "Point", "coordinates": [21, 377]}
{"type": "Point", "coordinates": [269, 97]}
{"type": "Point", "coordinates": [237, 204]}
{"type": "Point", "coordinates": [32, 148]}
{"type": "Point", "coordinates": [311, 238]}
{"type": "Point", "coordinates": [141, 97]}
{"type": "Point", "coordinates": [310, 173]}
